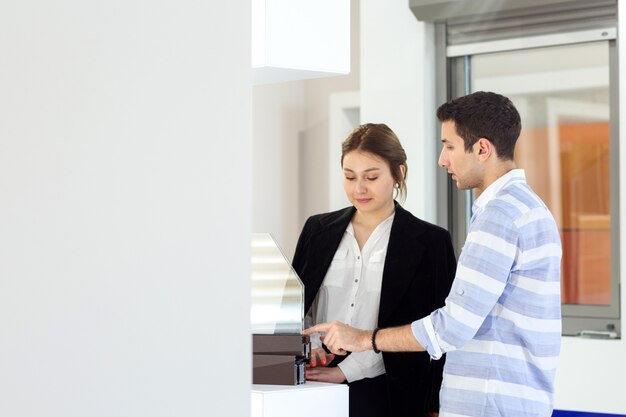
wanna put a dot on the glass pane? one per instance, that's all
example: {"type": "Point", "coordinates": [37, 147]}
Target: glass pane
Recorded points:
{"type": "Point", "coordinates": [564, 147]}
{"type": "Point", "coordinates": [277, 292]}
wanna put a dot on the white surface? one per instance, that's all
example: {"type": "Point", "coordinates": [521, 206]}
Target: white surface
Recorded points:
{"type": "Point", "coordinates": [298, 39]}
{"type": "Point", "coordinates": [124, 208]}
{"type": "Point", "coordinates": [312, 399]}
{"type": "Point", "coordinates": [398, 88]}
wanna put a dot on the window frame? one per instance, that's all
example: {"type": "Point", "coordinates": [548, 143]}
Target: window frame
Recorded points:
{"type": "Point", "coordinates": [454, 70]}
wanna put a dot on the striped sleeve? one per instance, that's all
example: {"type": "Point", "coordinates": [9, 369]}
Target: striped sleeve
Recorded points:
{"type": "Point", "coordinates": [484, 268]}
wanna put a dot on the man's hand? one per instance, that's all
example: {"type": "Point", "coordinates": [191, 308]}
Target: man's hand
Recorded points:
{"type": "Point", "coordinates": [333, 375]}
{"type": "Point", "coordinates": [341, 338]}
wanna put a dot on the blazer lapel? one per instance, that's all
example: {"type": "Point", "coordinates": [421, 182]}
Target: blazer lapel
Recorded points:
{"type": "Point", "coordinates": [324, 244]}
{"type": "Point", "coordinates": [404, 253]}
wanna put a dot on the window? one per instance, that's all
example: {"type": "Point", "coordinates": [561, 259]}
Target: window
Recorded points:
{"type": "Point", "coordinates": [568, 144]}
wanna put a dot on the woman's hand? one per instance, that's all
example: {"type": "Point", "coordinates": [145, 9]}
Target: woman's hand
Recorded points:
{"type": "Point", "coordinates": [319, 357]}
{"type": "Point", "coordinates": [323, 374]}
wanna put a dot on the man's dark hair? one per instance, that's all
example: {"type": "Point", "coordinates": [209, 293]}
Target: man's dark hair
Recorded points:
{"type": "Point", "coordinates": [484, 115]}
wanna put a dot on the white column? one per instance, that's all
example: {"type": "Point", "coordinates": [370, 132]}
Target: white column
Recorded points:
{"type": "Point", "coordinates": [398, 88]}
{"type": "Point", "coordinates": [124, 208]}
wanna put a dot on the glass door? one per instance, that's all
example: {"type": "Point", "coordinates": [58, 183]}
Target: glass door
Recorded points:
{"type": "Point", "coordinates": [566, 96]}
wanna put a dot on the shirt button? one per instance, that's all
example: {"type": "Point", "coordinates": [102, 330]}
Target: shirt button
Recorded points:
{"type": "Point", "coordinates": [352, 305]}
{"type": "Point", "coordinates": [460, 291]}
{"type": "Point", "coordinates": [356, 280]}
{"type": "Point", "coordinates": [358, 258]}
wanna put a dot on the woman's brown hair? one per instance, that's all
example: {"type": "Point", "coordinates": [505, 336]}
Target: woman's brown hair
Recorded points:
{"type": "Point", "coordinates": [379, 140]}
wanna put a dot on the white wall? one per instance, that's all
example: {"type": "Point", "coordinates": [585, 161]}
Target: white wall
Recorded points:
{"type": "Point", "coordinates": [125, 170]}
{"type": "Point", "coordinates": [316, 166]}
{"type": "Point", "coordinates": [398, 88]}
{"type": "Point", "coordinates": [278, 119]}
{"type": "Point", "coordinates": [290, 142]}
{"type": "Point", "coordinates": [391, 64]}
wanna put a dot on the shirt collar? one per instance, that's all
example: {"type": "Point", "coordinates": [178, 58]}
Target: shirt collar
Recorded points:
{"type": "Point", "coordinates": [514, 175]}
{"type": "Point", "coordinates": [382, 224]}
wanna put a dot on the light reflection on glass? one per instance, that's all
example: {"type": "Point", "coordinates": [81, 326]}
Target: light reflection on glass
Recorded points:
{"type": "Point", "coordinates": [277, 292]}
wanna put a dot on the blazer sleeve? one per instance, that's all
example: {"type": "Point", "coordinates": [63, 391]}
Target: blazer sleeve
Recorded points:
{"type": "Point", "coordinates": [445, 275]}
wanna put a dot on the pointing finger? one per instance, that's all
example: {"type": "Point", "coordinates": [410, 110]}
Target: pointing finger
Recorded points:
{"type": "Point", "coordinates": [322, 327]}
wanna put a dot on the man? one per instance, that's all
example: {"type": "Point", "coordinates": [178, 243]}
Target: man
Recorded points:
{"type": "Point", "coordinates": [501, 325]}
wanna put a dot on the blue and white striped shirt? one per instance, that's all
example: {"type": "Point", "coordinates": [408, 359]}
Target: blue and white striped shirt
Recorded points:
{"type": "Point", "coordinates": [501, 324]}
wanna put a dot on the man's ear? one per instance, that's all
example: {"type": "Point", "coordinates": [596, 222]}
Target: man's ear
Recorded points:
{"type": "Point", "coordinates": [484, 148]}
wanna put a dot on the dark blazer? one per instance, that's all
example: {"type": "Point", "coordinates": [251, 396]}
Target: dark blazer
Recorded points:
{"type": "Point", "coordinates": [418, 272]}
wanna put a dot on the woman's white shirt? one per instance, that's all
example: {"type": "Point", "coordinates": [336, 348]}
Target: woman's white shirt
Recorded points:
{"type": "Point", "coordinates": [350, 293]}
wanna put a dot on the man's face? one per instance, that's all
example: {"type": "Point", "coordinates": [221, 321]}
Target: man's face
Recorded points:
{"type": "Point", "coordinates": [464, 167]}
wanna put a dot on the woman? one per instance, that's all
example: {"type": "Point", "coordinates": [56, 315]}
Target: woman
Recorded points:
{"type": "Point", "coordinates": [375, 265]}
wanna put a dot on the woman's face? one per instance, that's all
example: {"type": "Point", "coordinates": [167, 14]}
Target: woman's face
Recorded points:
{"type": "Point", "coordinates": [368, 182]}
